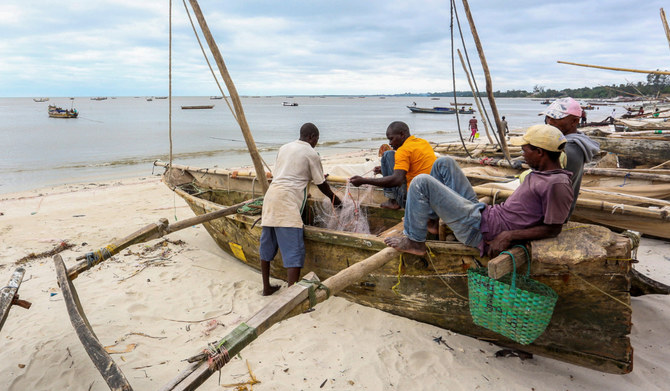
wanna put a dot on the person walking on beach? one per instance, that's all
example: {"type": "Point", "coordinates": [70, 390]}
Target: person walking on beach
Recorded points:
{"type": "Point", "coordinates": [505, 128]}
{"type": "Point", "coordinates": [409, 157]}
{"type": "Point", "coordinates": [297, 164]}
{"type": "Point", "coordinates": [565, 114]}
{"type": "Point", "coordinates": [473, 129]}
{"type": "Point", "coordinates": [536, 210]}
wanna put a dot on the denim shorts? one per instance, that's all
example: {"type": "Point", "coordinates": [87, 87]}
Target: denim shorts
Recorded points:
{"type": "Point", "coordinates": [288, 240]}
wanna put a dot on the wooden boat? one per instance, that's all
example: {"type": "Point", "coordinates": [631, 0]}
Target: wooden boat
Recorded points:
{"type": "Point", "coordinates": [216, 97]}
{"type": "Point", "coordinates": [468, 111]}
{"type": "Point", "coordinates": [588, 327]}
{"type": "Point", "coordinates": [637, 200]}
{"type": "Point", "coordinates": [9, 295]}
{"type": "Point", "coordinates": [197, 107]}
{"type": "Point", "coordinates": [434, 110]}
{"type": "Point", "coordinates": [289, 104]}
{"type": "Point", "coordinates": [636, 150]}
{"type": "Point", "coordinates": [99, 98]}
{"type": "Point", "coordinates": [57, 112]}
{"type": "Point", "coordinates": [40, 99]}
{"type": "Point", "coordinates": [644, 124]}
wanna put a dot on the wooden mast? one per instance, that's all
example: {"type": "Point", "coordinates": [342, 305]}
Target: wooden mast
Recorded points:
{"type": "Point", "coordinates": [489, 87]}
{"type": "Point", "coordinates": [237, 104]}
{"type": "Point", "coordinates": [474, 94]}
{"type": "Point", "coordinates": [615, 69]}
{"type": "Point", "coordinates": [665, 25]}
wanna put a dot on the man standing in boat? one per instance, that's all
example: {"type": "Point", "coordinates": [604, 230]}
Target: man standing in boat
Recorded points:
{"type": "Point", "coordinates": [410, 157]}
{"type": "Point", "coordinates": [297, 164]}
{"type": "Point", "coordinates": [565, 114]}
{"type": "Point", "coordinates": [536, 210]}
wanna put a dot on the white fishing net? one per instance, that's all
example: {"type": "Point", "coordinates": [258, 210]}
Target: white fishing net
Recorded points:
{"type": "Point", "coordinates": [350, 217]}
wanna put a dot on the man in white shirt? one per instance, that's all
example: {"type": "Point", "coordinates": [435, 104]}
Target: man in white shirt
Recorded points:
{"type": "Point", "coordinates": [297, 164]}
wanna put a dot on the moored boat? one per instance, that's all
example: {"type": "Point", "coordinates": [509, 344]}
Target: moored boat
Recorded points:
{"type": "Point", "coordinates": [58, 112]}
{"type": "Point", "coordinates": [197, 107]}
{"type": "Point", "coordinates": [434, 110]}
{"type": "Point", "coordinates": [41, 99]}
{"type": "Point", "coordinates": [289, 104]}
{"type": "Point", "coordinates": [588, 327]}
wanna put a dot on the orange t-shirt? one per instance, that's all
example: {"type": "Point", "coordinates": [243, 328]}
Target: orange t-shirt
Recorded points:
{"type": "Point", "coordinates": [415, 156]}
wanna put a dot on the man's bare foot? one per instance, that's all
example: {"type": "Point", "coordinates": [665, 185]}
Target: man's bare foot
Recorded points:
{"type": "Point", "coordinates": [405, 245]}
{"type": "Point", "coordinates": [390, 204]}
{"type": "Point", "coordinates": [433, 226]}
{"type": "Point", "coordinates": [271, 290]}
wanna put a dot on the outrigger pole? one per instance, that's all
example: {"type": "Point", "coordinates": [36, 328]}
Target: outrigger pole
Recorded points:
{"type": "Point", "coordinates": [615, 69]}
{"type": "Point", "coordinates": [237, 104]}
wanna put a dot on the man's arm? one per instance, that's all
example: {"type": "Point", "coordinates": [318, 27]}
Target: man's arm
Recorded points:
{"type": "Point", "coordinates": [504, 239]}
{"type": "Point", "coordinates": [325, 189]}
{"type": "Point", "coordinates": [394, 180]}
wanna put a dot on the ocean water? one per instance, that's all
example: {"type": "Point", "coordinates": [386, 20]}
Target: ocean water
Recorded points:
{"type": "Point", "coordinates": [121, 137]}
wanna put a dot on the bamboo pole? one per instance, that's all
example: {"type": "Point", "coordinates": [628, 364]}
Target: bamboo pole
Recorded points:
{"type": "Point", "coordinates": [489, 87]}
{"type": "Point", "coordinates": [615, 69]}
{"type": "Point", "coordinates": [665, 25]}
{"type": "Point", "coordinates": [288, 303]}
{"type": "Point", "coordinates": [242, 120]}
{"type": "Point", "coordinates": [474, 93]}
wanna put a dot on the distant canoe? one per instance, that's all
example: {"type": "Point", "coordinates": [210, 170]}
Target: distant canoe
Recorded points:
{"type": "Point", "coordinates": [216, 97]}
{"type": "Point", "coordinates": [158, 97]}
{"type": "Point", "coordinates": [57, 112]}
{"type": "Point", "coordinates": [434, 110]}
{"type": "Point", "coordinates": [99, 98]}
{"type": "Point", "coordinates": [289, 104]}
{"type": "Point", "coordinates": [41, 99]}
{"type": "Point", "coordinates": [201, 107]}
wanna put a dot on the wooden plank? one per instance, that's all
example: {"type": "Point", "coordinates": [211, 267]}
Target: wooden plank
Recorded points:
{"type": "Point", "coordinates": [102, 360]}
{"type": "Point", "coordinates": [502, 264]}
{"type": "Point", "coordinates": [10, 295]}
{"type": "Point", "coordinates": [291, 302]}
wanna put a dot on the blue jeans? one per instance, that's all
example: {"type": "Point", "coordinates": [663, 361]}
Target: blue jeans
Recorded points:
{"type": "Point", "coordinates": [398, 193]}
{"type": "Point", "coordinates": [446, 193]}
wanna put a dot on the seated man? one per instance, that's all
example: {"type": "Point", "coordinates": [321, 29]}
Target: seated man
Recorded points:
{"type": "Point", "coordinates": [410, 157]}
{"type": "Point", "coordinates": [536, 210]}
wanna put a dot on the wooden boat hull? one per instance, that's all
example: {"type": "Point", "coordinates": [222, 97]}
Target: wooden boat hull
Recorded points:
{"type": "Point", "coordinates": [634, 151]}
{"type": "Point", "coordinates": [588, 327]}
{"type": "Point", "coordinates": [434, 110]}
{"type": "Point", "coordinates": [200, 107]}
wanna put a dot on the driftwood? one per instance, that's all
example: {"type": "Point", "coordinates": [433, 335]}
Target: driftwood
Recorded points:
{"type": "Point", "coordinates": [10, 296]}
{"type": "Point", "coordinates": [102, 360]}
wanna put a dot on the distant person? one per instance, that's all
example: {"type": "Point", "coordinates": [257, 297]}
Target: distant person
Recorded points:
{"type": "Point", "coordinates": [503, 124]}
{"type": "Point", "coordinates": [565, 114]}
{"type": "Point", "coordinates": [583, 117]}
{"type": "Point", "coordinates": [414, 104]}
{"type": "Point", "coordinates": [409, 157]}
{"type": "Point", "coordinates": [473, 128]}
{"type": "Point", "coordinates": [641, 110]}
{"type": "Point", "coordinates": [536, 210]}
{"type": "Point", "coordinates": [297, 164]}
{"type": "Point", "coordinates": [656, 113]}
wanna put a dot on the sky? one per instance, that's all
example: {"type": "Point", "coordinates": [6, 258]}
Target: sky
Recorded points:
{"type": "Point", "coordinates": [121, 47]}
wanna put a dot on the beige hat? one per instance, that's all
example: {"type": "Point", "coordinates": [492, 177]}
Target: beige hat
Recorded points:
{"type": "Point", "coordinates": [542, 136]}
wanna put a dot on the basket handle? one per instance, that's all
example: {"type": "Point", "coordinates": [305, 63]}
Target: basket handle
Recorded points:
{"type": "Point", "coordinates": [513, 268]}
{"type": "Point", "coordinates": [527, 257]}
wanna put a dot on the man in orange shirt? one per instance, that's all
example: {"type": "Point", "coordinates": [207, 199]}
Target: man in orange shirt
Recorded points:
{"type": "Point", "coordinates": [410, 157]}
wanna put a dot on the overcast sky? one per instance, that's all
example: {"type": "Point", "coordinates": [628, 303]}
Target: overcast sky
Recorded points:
{"type": "Point", "coordinates": [120, 47]}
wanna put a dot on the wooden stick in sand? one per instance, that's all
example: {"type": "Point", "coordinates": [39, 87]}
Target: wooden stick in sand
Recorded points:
{"type": "Point", "coordinates": [9, 295]}
{"type": "Point", "coordinates": [149, 232]}
{"type": "Point", "coordinates": [290, 302]}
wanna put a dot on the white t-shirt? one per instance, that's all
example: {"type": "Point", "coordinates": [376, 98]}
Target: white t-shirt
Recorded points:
{"type": "Point", "coordinates": [297, 164]}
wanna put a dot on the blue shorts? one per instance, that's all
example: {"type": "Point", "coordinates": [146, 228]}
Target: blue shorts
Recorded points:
{"type": "Point", "coordinates": [288, 240]}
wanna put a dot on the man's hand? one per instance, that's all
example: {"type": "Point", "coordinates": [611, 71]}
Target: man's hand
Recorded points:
{"type": "Point", "coordinates": [336, 201]}
{"type": "Point", "coordinates": [357, 180]}
{"type": "Point", "coordinates": [377, 170]}
{"type": "Point", "coordinates": [500, 243]}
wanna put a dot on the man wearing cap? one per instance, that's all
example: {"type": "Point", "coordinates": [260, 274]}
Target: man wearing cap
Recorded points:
{"type": "Point", "coordinates": [565, 114]}
{"type": "Point", "coordinates": [537, 209]}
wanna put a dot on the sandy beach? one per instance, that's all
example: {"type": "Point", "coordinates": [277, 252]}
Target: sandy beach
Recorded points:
{"type": "Point", "coordinates": [157, 303]}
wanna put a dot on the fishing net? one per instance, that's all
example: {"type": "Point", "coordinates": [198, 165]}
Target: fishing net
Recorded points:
{"type": "Point", "coordinates": [350, 217]}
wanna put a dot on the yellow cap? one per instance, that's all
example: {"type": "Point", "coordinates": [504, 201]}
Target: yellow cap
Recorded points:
{"type": "Point", "coordinates": [542, 136]}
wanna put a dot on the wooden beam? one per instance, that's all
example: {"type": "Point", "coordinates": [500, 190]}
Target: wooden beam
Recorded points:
{"type": "Point", "coordinates": [289, 303]}
{"type": "Point", "coordinates": [474, 94]}
{"type": "Point", "coordinates": [102, 360]}
{"type": "Point", "coordinates": [665, 25]}
{"type": "Point", "coordinates": [237, 103]}
{"type": "Point", "coordinates": [9, 295]}
{"type": "Point", "coordinates": [615, 69]}
{"type": "Point", "coordinates": [502, 264]}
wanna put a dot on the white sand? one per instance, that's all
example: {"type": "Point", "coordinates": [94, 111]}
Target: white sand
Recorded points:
{"type": "Point", "coordinates": [340, 346]}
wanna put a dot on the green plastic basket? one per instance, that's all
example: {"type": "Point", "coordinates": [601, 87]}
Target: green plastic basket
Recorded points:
{"type": "Point", "coordinates": [520, 309]}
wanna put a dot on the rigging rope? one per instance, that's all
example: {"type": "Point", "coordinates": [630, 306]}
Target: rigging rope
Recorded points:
{"type": "Point", "coordinates": [453, 79]}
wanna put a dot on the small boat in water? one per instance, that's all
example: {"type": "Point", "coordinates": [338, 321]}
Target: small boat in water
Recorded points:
{"type": "Point", "coordinates": [434, 110]}
{"type": "Point", "coordinates": [197, 107]}
{"type": "Point", "coordinates": [99, 98]}
{"type": "Point", "coordinates": [41, 99]}
{"type": "Point", "coordinates": [289, 104]}
{"type": "Point", "coordinates": [216, 97]}
{"type": "Point", "coordinates": [57, 112]}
